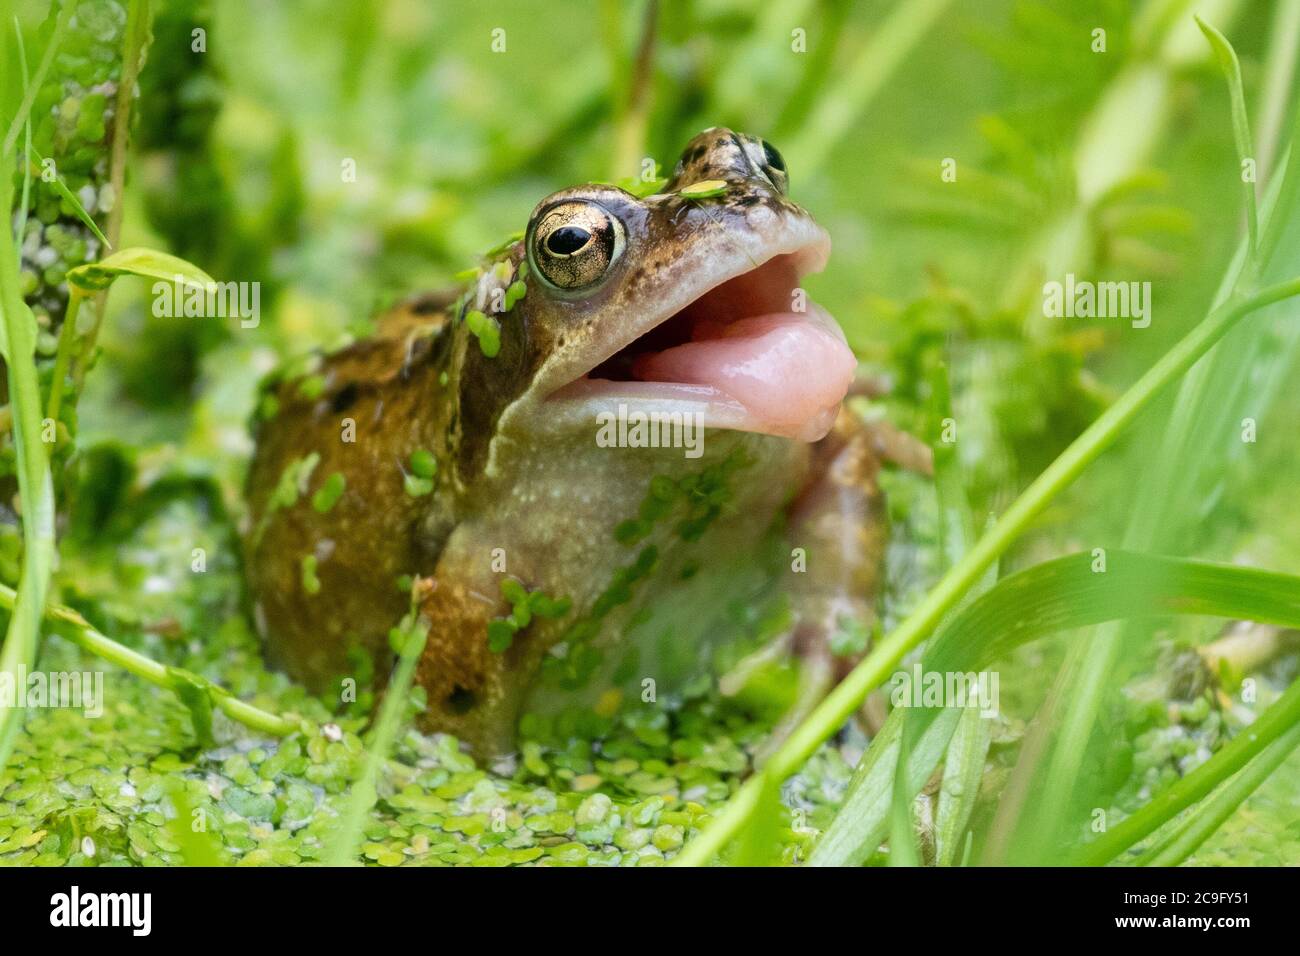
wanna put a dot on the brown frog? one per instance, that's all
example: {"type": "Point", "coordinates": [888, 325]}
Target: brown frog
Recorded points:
{"type": "Point", "coordinates": [630, 422]}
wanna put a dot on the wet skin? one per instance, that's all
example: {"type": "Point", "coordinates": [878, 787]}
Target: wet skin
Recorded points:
{"type": "Point", "coordinates": [674, 304]}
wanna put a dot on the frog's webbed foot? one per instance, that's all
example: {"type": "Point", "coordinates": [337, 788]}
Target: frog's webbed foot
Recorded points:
{"type": "Point", "coordinates": [837, 535]}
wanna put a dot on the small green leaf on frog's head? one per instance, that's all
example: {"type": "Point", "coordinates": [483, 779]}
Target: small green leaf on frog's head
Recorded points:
{"type": "Point", "coordinates": [708, 189]}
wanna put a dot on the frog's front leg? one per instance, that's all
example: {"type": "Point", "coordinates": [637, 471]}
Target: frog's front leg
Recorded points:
{"type": "Point", "coordinates": [837, 533]}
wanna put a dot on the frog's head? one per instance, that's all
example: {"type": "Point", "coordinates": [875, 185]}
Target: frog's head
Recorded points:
{"type": "Point", "coordinates": [686, 301]}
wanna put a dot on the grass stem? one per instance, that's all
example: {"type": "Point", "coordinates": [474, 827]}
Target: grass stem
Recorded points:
{"type": "Point", "coordinates": [77, 629]}
{"type": "Point", "coordinates": [876, 667]}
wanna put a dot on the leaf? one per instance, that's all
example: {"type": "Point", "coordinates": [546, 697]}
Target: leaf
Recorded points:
{"type": "Point", "coordinates": [963, 770]}
{"type": "Point", "coordinates": [193, 693]}
{"type": "Point", "coordinates": [414, 632]}
{"type": "Point", "coordinates": [762, 840]}
{"type": "Point", "coordinates": [145, 263]}
{"type": "Point", "coordinates": [1066, 593]}
{"type": "Point", "coordinates": [35, 485]}
{"type": "Point", "coordinates": [1228, 63]}
{"type": "Point", "coordinates": [1278, 722]}
{"type": "Point", "coordinates": [963, 765]}
{"type": "Point", "coordinates": [71, 199]}
{"type": "Point", "coordinates": [863, 821]}
{"type": "Point", "coordinates": [707, 189]}
{"type": "Point", "coordinates": [1053, 596]}
{"type": "Point", "coordinates": [1202, 822]}
{"type": "Point", "coordinates": [198, 847]}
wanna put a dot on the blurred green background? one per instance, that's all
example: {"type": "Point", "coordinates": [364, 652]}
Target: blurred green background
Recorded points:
{"type": "Point", "coordinates": [241, 148]}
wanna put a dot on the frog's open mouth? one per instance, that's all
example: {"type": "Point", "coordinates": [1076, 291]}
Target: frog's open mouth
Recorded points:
{"type": "Point", "coordinates": [749, 353]}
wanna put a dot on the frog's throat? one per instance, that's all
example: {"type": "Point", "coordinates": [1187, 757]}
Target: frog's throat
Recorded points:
{"type": "Point", "coordinates": [746, 350]}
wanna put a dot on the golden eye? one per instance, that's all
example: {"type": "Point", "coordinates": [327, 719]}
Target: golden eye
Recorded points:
{"type": "Point", "coordinates": [574, 243]}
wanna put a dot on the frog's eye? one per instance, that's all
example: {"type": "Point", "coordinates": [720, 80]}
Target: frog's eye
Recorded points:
{"type": "Point", "coordinates": [574, 244]}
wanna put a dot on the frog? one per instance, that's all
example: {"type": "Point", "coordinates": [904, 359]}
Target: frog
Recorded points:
{"type": "Point", "coordinates": [571, 471]}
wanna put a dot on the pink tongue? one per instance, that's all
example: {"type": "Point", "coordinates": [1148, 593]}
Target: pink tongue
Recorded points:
{"type": "Point", "coordinates": [788, 370]}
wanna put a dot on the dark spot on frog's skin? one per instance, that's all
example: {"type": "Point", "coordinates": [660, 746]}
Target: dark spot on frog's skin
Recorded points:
{"type": "Point", "coordinates": [460, 700]}
{"type": "Point", "coordinates": [344, 398]}
{"type": "Point", "coordinates": [750, 200]}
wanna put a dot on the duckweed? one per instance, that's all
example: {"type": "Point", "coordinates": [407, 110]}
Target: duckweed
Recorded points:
{"type": "Point", "coordinates": [328, 494]}
{"type": "Point", "coordinates": [707, 189]}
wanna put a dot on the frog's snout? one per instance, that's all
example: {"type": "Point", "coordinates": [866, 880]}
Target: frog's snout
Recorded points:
{"type": "Point", "coordinates": [720, 153]}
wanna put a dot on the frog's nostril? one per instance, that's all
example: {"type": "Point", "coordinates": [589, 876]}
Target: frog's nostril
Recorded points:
{"type": "Point", "coordinates": [461, 700]}
{"type": "Point", "coordinates": [773, 157]}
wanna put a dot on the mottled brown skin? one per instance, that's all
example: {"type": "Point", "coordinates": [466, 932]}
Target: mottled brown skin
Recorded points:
{"type": "Point", "coordinates": [515, 475]}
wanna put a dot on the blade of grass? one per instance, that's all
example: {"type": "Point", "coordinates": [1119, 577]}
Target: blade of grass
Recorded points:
{"type": "Point", "coordinates": [69, 624]}
{"type": "Point", "coordinates": [71, 199]}
{"type": "Point", "coordinates": [963, 769]}
{"type": "Point", "coordinates": [1044, 599]}
{"type": "Point", "coordinates": [35, 484]}
{"type": "Point", "coordinates": [25, 197]}
{"type": "Point", "coordinates": [1063, 594]}
{"type": "Point", "coordinates": [839, 705]}
{"type": "Point", "coordinates": [1279, 719]}
{"type": "Point", "coordinates": [1279, 79]}
{"type": "Point", "coordinates": [761, 841]}
{"type": "Point", "coordinates": [139, 19]}
{"type": "Point", "coordinates": [1066, 593]}
{"type": "Point", "coordinates": [633, 103]}
{"type": "Point", "coordinates": [1228, 63]}
{"type": "Point", "coordinates": [864, 820]}
{"type": "Point", "coordinates": [957, 536]}
{"type": "Point", "coordinates": [1214, 812]}
{"type": "Point", "coordinates": [364, 792]}
{"type": "Point", "coordinates": [34, 84]}
{"type": "Point", "coordinates": [1176, 473]}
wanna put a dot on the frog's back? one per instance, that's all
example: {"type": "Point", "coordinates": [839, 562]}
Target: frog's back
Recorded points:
{"type": "Point", "coordinates": [333, 521]}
